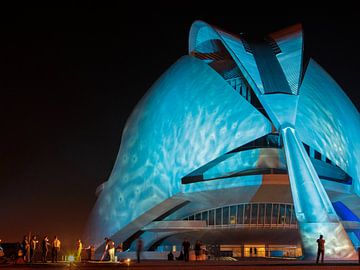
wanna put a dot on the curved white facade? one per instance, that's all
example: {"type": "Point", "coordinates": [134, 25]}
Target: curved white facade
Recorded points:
{"type": "Point", "coordinates": [219, 124]}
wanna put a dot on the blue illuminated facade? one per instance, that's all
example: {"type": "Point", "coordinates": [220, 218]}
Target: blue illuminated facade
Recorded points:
{"type": "Point", "coordinates": [237, 122]}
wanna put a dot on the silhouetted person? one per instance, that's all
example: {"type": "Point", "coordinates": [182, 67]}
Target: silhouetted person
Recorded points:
{"type": "Point", "coordinates": [33, 246]}
{"type": "Point", "coordinates": [321, 249]}
{"type": "Point", "coordinates": [103, 257]}
{"type": "Point", "coordinates": [180, 257]}
{"type": "Point", "coordinates": [44, 248]}
{"type": "Point", "coordinates": [111, 249]}
{"type": "Point", "coordinates": [26, 248]}
{"type": "Point", "coordinates": [139, 248]}
{"type": "Point", "coordinates": [79, 247]}
{"type": "Point", "coordinates": [186, 248]}
{"type": "Point", "coordinates": [55, 249]}
{"type": "Point", "coordinates": [170, 256]}
{"type": "Point", "coordinates": [197, 249]}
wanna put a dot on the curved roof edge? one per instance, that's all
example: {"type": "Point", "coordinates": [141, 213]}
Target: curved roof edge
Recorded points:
{"type": "Point", "coordinates": [194, 30]}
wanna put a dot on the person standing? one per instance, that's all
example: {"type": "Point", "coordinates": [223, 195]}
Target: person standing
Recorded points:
{"type": "Point", "coordinates": [44, 248]}
{"type": "Point", "coordinates": [33, 245]}
{"type": "Point", "coordinates": [26, 248]}
{"type": "Point", "coordinates": [55, 249]}
{"type": "Point", "coordinates": [139, 248]}
{"type": "Point", "coordinates": [79, 247]}
{"type": "Point", "coordinates": [111, 250]}
{"type": "Point", "coordinates": [321, 249]}
{"type": "Point", "coordinates": [197, 249]}
{"type": "Point", "coordinates": [186, 248]}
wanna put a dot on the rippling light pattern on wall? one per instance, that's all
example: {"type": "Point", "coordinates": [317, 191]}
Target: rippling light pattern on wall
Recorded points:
{"type": "Point", "coordinates": [189, 117]}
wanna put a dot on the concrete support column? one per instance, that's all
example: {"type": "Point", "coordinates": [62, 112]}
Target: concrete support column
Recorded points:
{"type": "Point", "coordinates": [313, 208]}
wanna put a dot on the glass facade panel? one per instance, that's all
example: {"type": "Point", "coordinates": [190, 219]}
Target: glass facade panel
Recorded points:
{"type": "Point", "coordinates": [225, 215]}
{"type": "Point", "coordinates": [218, 216]}
{"type": "Point", "coordinates": [240, 214]}
{"type": "Point", "coordinates": [282, 214]}
{"type": "Point", "coordinates": [275, 214]}
{"type": "Point", "coordinates": [211, 217]}
{"type": "Point", "coordinates": [254, 213]}
{"type": "Point", "coordinates": [288, 214]}
{"type": "Point", "coordinates": [293, 217]}
{"type": "Point", "coordinates": [247, 214]}
{"type": "Point", "coordinates": [204, 216]}
{"type": "Point", "coordinates": [268, 209]}
{"type": "Point", "coordinates": [261, 213]}
{"type": "Point", "coordinates": [233, 214]}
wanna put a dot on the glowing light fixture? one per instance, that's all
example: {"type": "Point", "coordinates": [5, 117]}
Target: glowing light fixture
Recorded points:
{"type": "Point", "coordinates": [71, 258]}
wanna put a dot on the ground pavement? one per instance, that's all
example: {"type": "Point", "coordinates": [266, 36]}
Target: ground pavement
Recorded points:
{"type": "Point", "coordinates": [200, 265]}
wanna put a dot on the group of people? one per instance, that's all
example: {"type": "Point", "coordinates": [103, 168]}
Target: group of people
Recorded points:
{"type": "Point", "coordinates": [185, 251]}
{"type": "Point", "coordinates": [109, 250]}
{"type": "Point", "coordinates": [28, 249]}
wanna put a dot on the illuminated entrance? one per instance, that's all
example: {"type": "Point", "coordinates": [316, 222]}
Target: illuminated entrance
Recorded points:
{"type": "Point", "coordinates": [261, 251]}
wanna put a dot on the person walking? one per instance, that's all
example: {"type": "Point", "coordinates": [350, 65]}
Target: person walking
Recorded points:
{"type": "Point", "coordinates": [44, 248]}
{"type": "Point", "coordinates": [186, 248]}
{"type": "Point", "coordinates": [79, 247]}
{"type": "Point", "coordinates": [55, 249]}
{"type": "Point", "coordinates": [139, 248]}
{"type": "Point", "coordinates": [33, 246]}
{"type": "Point", "coordinates": [321, 249]}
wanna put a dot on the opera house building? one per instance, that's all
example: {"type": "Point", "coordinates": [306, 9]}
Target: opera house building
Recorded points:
{"type": "Point", "coordinates": [245, 144]}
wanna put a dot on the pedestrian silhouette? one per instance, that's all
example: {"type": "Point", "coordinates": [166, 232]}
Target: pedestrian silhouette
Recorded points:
{"type": "Point", "coordinates": [321, 249]}
{"type": "Point", "coordinates": [139, 248]}
{"type": "Point", "coordinates": [186, 248]}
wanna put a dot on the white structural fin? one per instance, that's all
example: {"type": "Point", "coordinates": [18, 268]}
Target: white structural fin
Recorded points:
{"type": "Point", "coordinates": [290, 56]}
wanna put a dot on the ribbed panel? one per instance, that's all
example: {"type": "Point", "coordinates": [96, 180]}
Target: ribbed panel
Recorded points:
{"type": "Point", "coordinates": [290, 42]}
{"type": "Point", "coordinates": [246, 58]}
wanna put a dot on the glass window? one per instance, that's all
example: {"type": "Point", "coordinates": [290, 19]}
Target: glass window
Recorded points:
{"type": "Point", "coordinates": [268, 213]}
{"type": "Point", "coordinates": [211, 217]}
{"type": "Point", "coordinates": [275, 214]}
{"type": "Point", "coordinates": [240, 214]}
{"type": "Point", "coordinates": [226, 215]}
{"type": "Point", "coordinates": [218, 216]}
{"type": "Point", "coordinates": [191, 217]}
{"type": "Point", "coordinates": [204, 216]}
{"type": "Point", "coordinates": [287, 214]}
{"type": "Point", "coordinates": [317, 155]}
{"type": "Point", "coordinates": [261, 213]}
{"type": "Point", "coordinates": [293, 216]}
{"type": "Point", "coordinates": [198, 216]}
{"type": "Point", "coordinates": [254, 213]}
{"type": "Point", "coordinates": [282, 214]}
{"type": "Point", "coordinates": [233, 214]}
{"type": "Point", "coordinates": [247, 214]}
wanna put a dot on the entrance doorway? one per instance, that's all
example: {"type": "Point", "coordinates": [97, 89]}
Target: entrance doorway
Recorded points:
{"type": "Point", "coordinates": [254, 251]}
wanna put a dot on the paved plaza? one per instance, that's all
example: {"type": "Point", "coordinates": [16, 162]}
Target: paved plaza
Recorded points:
{"type": "Point", "coordinates": [207, 265]}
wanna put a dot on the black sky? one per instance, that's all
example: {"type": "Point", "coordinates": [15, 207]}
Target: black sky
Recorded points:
{"type": "Point", "coordinates": [69, 79]}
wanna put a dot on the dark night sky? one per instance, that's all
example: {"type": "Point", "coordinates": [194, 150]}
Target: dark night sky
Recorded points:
{"type": "Point", "coordinates": [69, 79]}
